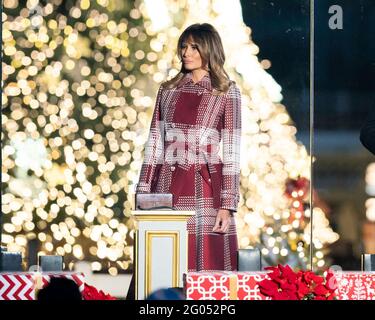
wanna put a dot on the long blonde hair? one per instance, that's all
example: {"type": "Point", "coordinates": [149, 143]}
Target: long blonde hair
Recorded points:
{"type": "Point", "coordinates": [211, 50]}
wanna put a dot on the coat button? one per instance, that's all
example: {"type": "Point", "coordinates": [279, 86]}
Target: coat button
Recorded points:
{"type": "Point", "coordinates": [173, 168]}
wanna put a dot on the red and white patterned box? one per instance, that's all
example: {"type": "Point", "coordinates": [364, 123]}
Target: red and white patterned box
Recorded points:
{"type": "Point", "coordinates": [353, 285]}
{"type": "Point", "coordinates": [23, 285]}
{"type": "Point", "coordinates": [224, 285]}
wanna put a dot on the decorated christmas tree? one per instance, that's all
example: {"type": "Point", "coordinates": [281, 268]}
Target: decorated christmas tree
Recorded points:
{"type": "Point", "coordinates": [79, 84]}
{"type": "Point", "coordinates": [75, 77]}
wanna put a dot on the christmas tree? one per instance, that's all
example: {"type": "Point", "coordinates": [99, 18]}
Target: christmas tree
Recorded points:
{"type": "Point", "coordinates": [75, 78]}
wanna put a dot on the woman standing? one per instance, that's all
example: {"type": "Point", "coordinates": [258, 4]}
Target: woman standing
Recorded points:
{"type": "Point", "coordinates": [194, 111]}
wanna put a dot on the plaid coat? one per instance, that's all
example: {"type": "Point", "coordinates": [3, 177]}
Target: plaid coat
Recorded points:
{"type": "Point", "coordinates": [182, 157]}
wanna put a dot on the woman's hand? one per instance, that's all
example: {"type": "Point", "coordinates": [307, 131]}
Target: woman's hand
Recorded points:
{"type": "Point", "coordinates": [222, 221]}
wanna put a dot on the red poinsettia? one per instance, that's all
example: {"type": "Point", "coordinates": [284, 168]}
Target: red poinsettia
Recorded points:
{"type": "Point", "coordinates": [285, 284]}
{"type": "Point", "coordinates": [91, 293]}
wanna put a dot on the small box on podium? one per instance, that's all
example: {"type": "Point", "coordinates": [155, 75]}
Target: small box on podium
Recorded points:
{"type": "Point", "coordinates": [249, 260]}
{"type": "Point", "coordinates": [51, 263]}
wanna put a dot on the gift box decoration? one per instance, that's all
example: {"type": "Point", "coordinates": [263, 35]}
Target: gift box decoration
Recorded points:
{"type": "Point", "coordinates": [17, 286]}
{"type": "Point", "coordinates": [353, 285]}
{"type": "Point", "coordinates": [224, 285]}
{"type": "Point", "coordinates": [227, 285]}
{"type": "Point", "coordinates": [23, 285]}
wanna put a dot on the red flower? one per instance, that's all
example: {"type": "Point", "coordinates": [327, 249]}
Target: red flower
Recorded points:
{"type": "Point", "coordinates": [288, 273]}
{"type": "Point", "coordinates": [271, 289]}
{"type": "Point", "coordinates": [302, 289]}
{"type": "Point", "coordinates": [285, 295]}
{"type": "Point", "coordinates": [311, 277]}
{"type": "Point", "coordinates": [321, 290]}
{"type": "Point", "coordinates": [285, 284]}
{"type": "Point", "coordinates": [289, 287]}
{"type": "Point", "coordinates": [275, 272]}
{"type": "Point", "coordinates": [91, 293]}
{"type": "Point", "coordinates": [268, 287]}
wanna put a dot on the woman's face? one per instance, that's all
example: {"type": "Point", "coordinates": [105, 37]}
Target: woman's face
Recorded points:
{"type": "Point", "coordinates": [191, 57]}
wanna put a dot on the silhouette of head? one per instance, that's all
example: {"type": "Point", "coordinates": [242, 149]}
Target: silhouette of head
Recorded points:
{"type": "Point", "coordinates": [167, 294]}
{"type": "Point", "coordinates": [60, 289]}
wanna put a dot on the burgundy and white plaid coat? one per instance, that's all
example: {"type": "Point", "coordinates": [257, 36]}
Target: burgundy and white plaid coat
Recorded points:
{"type": "Point", "coordinates": [182, 157]}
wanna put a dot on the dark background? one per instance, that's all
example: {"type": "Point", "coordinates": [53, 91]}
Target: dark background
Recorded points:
{"type": "Point", "coordinates": [344, 59]}
{"type": "Point", "coordinates": [281, 30]}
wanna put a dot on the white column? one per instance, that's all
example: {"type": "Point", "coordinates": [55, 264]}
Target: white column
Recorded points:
{"type": "Point", "coordinates": [161, 250]}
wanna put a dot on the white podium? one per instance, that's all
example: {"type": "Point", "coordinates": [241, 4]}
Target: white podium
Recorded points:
{"type": "Point", "coordinates": [161, 250]}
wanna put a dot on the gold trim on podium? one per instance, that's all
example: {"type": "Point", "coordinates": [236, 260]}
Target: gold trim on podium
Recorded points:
{"type": "Point", "coordinates": [150, 235]}
{"type": "Point", "coordinates": [146, 236]}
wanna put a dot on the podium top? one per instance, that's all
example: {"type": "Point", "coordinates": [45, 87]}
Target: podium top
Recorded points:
{"type": "Point", "coordinates": [171, 215]}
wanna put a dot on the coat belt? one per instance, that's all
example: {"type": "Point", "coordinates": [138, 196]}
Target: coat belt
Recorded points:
{"type": "Point", "coordinates": [185, 155]}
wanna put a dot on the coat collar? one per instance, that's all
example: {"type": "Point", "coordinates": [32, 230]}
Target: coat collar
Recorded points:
{"type": "Point", "coordinates": [205, 82]}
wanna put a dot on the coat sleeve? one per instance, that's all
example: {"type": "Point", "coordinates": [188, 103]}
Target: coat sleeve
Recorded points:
{"type": "Point", "coordinates": [231, 137]}
{"type": "Point", "coordinates": [154, 149]}
{"type": "Point", "coordinates": [368, 133]}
